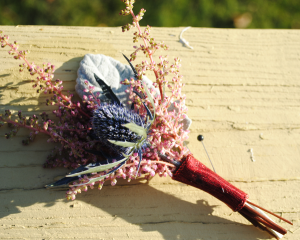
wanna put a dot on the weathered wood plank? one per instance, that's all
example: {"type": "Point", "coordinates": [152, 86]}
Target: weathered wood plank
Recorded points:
{"type": "Point", "coordinates": [242, 91]}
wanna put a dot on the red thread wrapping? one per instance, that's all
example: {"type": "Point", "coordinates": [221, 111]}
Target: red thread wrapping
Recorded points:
{"type": "Point", "coordinates": [194, 173]}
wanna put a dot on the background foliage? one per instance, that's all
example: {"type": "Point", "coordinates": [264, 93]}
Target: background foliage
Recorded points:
{"type": "Point", "coordinates": [160, 13]}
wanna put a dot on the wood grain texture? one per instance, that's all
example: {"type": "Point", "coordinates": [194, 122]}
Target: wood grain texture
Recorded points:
{"type": "Point", "coordinates": [242, 90]}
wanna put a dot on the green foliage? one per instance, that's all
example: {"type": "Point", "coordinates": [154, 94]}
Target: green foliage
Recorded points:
{"type": "Point", "coordinates": [166, 13]}
{"type": "Point", "coordinates": [136, 129]}
{"type": "Point", "coordinates": [100, 168]}
{"type": "Point", "coordinates": [123, 144]}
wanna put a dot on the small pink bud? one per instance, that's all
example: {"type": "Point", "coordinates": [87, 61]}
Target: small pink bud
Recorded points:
{"type": "Point", "coordinates": [45, 126]}
{"type": "Point", "coordinates": [113, 182]}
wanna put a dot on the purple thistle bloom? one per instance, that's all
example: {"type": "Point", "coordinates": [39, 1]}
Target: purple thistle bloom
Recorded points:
{"type": "Point", "coordinates": [108, 121]}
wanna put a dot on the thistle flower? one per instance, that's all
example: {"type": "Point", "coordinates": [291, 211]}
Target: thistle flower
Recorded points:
{"type": "Point", "coordinates": [121, 131]}
{"type": "Point", "coordinates": [108, 123]}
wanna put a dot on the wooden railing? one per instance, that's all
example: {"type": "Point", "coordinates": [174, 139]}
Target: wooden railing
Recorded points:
{"type": "Point", "coordinates": [243, 95]}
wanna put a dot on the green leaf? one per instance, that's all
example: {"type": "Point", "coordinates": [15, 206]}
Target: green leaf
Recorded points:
{"type": "Point", "coordinates": [137, 129]}
{"type": "Point", "coordinates": [91, 180]}
{"type": "Point", "coordinates": [122, 144]}
{"type": "Point", "coordinates": [101, 168]}
{"type": "Point", "coordinates": [130, 153]}
{"type": "Point", "coordinates": [101, 177]}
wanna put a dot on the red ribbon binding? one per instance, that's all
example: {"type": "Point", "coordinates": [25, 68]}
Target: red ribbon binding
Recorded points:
{"type": "Point", "coordinates": [194, 173]}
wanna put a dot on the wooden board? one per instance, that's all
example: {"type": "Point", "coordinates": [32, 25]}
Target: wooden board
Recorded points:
{"type": "Point", "coordinates": [243, 92]}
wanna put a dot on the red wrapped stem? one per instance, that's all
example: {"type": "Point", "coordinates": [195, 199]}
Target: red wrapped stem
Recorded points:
{"type": "Point", "coordinates": [194, 173]}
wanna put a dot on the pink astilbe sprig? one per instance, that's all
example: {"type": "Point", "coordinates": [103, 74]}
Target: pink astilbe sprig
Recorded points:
{"type": "Point", "coordinates": [72, 126]}
{"type": "Point", "coordinates": [167, 135]}
{"type": "Point", "coordinates": [44, 76]}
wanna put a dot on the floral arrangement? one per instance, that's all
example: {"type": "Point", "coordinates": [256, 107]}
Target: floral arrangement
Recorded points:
{"type": "Point", "coordinates": [74, 129]}
{"type": "Point", "coordinates": [106, 141]}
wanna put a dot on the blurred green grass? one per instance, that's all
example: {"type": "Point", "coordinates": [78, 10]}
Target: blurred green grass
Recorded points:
{"type": "Point", "coordinates": [160, 13]}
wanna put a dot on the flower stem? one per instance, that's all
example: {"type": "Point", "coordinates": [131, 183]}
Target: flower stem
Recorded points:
{"type": "Point", "coordinates": [28, 127]}
{"type": "Point", "coordinates": [149, 53]}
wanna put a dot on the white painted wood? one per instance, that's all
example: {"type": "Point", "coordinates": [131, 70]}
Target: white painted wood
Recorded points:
{"type": "Point", "coordinates": [242, 91]}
